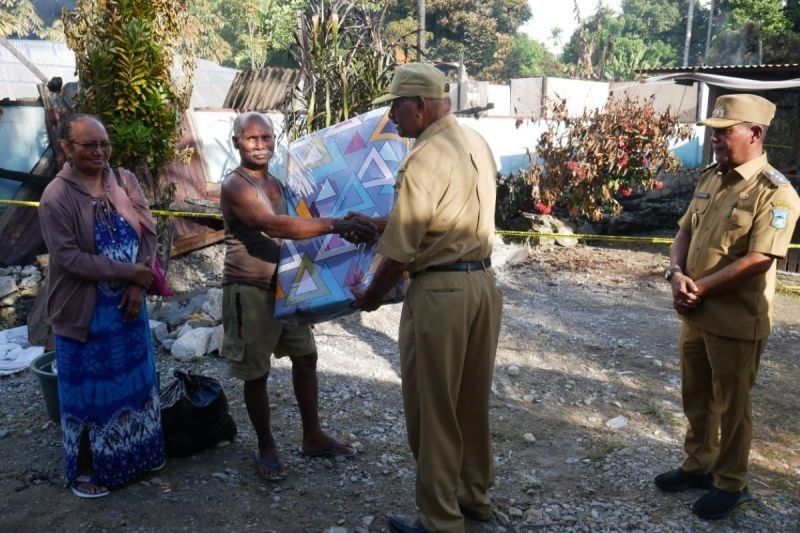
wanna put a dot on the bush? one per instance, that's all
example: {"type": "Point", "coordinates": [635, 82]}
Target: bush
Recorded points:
{"type": "Point", "coordinates": [590, 161]}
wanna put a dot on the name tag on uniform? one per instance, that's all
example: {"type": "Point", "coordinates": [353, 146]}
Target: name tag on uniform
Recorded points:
{"type": "Point", "coordinates": [780, 218]}
{"type": "Point", "coordinates": [702, 194]}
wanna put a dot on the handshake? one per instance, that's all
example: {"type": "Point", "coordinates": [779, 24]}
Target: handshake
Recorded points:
{"type": "Point", "coordinates": [357, 228]}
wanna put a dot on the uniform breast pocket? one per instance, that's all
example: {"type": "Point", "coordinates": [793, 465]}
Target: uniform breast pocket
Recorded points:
{"type": "Point", "coordinates": [737, 229]}
{"type": "Point", "coordinates": [698, 208]}
{"type": "Point", "coordinates": [699, 205]}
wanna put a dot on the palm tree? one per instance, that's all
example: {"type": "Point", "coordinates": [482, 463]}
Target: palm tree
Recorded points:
{"type": "Point", "coordinates": [18, 17]}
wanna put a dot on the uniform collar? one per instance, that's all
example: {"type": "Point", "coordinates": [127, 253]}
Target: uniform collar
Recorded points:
{"type": "Point", "coordinates": [441, 124]}
{"type": "Point", "coordinates": [752, 167]}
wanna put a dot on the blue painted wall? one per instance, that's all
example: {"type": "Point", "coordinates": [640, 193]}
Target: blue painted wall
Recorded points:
{"type": "Point", "coordinates": [23, 140]}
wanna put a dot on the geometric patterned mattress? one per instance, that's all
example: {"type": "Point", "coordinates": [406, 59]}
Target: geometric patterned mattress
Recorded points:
{"type": "Point", "coordinates": [350, 166]}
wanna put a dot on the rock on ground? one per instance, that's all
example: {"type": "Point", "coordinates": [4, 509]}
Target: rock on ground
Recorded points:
{"type": "Point", "coordinates": [582, 324]}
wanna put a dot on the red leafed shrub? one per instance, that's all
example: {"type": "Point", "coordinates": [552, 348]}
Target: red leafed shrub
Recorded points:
{"type": "Point", "coordinates": [585, 163]}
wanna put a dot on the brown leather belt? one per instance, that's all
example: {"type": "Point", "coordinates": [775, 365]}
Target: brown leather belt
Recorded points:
{"type": "Point", "coordinates": [483, 264]}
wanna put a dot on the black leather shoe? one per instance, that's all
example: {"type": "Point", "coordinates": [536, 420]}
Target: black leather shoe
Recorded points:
{"type": "Point", "coordinates": [406, 524]}
{"type": "Point", "coordinates": [475, 515]}
{"type": "Point", "coordinates": [719, 503]}
{"type": "Point", "coordinates": [678, 480]}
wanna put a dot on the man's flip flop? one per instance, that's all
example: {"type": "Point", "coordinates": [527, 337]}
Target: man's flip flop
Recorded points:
{"type": "Point", "coordinates": [334, 449]}
{"type": "Point", "coordinates": [272, 465]}
{"type": "Point", "coordinates": [84, 494]}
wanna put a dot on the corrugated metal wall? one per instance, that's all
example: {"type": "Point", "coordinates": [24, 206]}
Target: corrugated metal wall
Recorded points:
{"type": "Point", "coordinates": [261, 90]}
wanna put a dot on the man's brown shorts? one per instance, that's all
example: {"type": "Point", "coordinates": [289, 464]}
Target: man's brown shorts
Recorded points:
{"type": "Point", "coordinates": [252, 334]}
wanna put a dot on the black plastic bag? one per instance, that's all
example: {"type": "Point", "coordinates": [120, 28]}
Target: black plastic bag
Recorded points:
{"type": "Point", "coordinates": [194, 413]}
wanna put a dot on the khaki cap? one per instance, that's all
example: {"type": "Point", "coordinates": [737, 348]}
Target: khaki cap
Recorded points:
{"type": "Point", "coordinates": [733, 109]}
{"type": "Point", "coordinates": [416, 79]}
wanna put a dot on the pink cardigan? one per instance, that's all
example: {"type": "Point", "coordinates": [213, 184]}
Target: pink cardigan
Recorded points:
{"type": "Point", "coordinates": [67, 218]}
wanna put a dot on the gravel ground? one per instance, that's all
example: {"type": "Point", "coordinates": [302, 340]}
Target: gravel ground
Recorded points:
{"type": "Point", "coordinates": [588, 336]}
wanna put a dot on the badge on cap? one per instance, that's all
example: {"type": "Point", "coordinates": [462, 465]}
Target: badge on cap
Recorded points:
{"type": "Point", "coordinates": [718, 112]}
{"type": "Point", "coordinates": [780, 218]}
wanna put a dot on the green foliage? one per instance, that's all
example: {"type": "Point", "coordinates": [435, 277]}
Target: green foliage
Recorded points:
{"type": "Point", "coordinates": [268, 25]}
{"type": "Point", "coordinates": [530, 58]}
{"type": "Point", "coordinates": [747, 27]}
{"type": "Point", "coordinates": [647, 33]}
{"type": "Point", "coordinates": [208, 23]}
{"type": "Point", "coordinates": [124, 51]}
{"type": "Point", "coordinates": [767, 15]}
{"type": "Point", "coordinates": [345, 62]}
{"type": "Point", "coordinates": [54, 32]}
{"type": "Point", "coordinates": [514, 197]}
{"type": "Point", "coordinates": [650, 33]}
{"type": "Point", "coordinates": [588, 160]}
{"type": "Point", "coordinates": [792, 13]}
{"type": "Point", "coordinates": [664, 22]}
{"type": "Point", "coordinates": [631, 53]}
{"type": "Point", "coordinates": [477, 29]}
{"type": "Point", "coordinates": [249, 34]}
{"type": "Point", "coordinates": [521, 57]}
{"type": "Point", "coordinates": [245, 33]}
{"type": "Point", "coordinates": [18, 17]}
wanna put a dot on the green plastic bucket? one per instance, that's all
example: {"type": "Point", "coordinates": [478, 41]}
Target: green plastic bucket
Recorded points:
{"type": "Point", "coordinates": [42, 367]}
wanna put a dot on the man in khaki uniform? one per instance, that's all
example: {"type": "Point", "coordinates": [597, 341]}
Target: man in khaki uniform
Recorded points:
{"type": "Point", "coordinates": [722, 271]}
{"type": "Point", "coordinates": [441, 231]}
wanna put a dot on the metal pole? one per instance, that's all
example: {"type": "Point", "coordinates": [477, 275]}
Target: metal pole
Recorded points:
{"type": "Point", "coordinates": [421, 52]}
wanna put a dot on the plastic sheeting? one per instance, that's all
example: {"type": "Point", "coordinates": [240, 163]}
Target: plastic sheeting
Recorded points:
{"type": "Point", "coordinates": [347, 167]}
{"type": "Point", "coordinates": [727, 82]}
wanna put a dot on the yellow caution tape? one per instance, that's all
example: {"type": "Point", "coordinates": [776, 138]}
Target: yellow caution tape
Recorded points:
{"type": "Point", "coordinates": [19, 203]}
{"type": "Point", "coordinates": [605, 238]}
{"type": "Point", "coordinates": [501, 232]}
{"type": "Point", "coordinates": [586, 237]}
{"type": "Point", "coordinates": [185, 214]}
{"type": "Point", "coordinates": [155, 212]}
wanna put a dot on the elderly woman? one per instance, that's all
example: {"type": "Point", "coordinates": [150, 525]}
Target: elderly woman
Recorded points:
{"type": "Point", "coordinates": [101, 240]}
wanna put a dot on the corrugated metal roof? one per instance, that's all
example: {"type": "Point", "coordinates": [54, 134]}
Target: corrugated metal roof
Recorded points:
{"type": "Point", "coordinates": [52, 58]}
{"type": "Point", "coordinates": [210, 84]}
{"type": "Point", "coordinates": [777, 68]}
{"type": "Point", "coordinates": [261, 90]}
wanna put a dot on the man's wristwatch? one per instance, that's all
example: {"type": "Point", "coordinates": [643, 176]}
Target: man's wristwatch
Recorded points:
{"type": "Point", "coordinates": [668, 273]}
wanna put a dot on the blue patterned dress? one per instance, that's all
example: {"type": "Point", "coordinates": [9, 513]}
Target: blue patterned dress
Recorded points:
{"type": "Point", "coordinates": [107, 385]}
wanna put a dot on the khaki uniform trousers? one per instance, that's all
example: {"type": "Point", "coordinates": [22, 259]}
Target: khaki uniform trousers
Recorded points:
{"type": "Point", "coordinates": [449, 329]}
{"type": "Point", "coordinates": [717, 374]}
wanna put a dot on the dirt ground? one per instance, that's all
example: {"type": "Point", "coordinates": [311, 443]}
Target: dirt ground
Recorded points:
{"type": "Point", "coordinates": [588, 335]}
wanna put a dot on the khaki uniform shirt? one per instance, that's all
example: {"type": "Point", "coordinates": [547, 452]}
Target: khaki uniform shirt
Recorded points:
{"type": "Point", "coordinates": [751, 208]}
{"type": "Point", "coordinates": [444, 211]}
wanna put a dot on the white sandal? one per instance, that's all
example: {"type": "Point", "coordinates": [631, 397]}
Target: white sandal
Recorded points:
{"type": "Point", "coordinates": [89, 495]}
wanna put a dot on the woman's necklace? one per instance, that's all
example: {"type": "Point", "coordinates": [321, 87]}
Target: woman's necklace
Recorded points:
{"type": "Point", "coordinates": [104, 214]}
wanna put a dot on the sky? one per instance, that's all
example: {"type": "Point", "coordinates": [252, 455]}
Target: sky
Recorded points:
{"type": "Point", "coordinates": [549, 14]}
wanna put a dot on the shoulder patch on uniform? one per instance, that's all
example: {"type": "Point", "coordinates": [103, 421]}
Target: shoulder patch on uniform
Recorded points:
{"type": "Point", "coordinates": [780, 218]}
{"type": "Point", "coordinates": [782, 203]}
{"type": "Point", "coordinates": [709, 166]}
{"type": "Point", "coordinates": [775, 177]}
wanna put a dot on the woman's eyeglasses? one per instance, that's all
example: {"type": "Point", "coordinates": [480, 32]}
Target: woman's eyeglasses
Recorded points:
{"type": "Point", "coordinates": [94, 145]}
